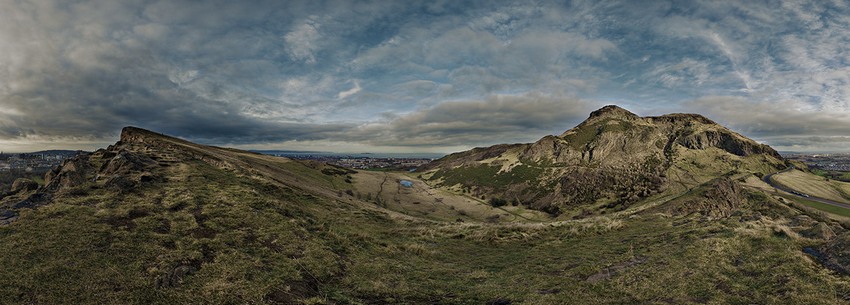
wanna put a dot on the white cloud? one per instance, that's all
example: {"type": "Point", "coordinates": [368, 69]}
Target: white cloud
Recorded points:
{"type": "Point", "coordinates": [684, 73]}
{"type": "Point", "coordinates": [90, 67]}
{"type": "Point", "coordinates": [779, 123]}
{"type": "Point", "coordinates": [303, 42]}
{"type": "Point", "coordinates": [181, 78]}
{"type": "Point", "coordinates": [349, 92]}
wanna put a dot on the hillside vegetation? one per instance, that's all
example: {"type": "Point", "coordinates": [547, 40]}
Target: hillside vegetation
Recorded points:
{"type": "Point", "coordinates": [158, 220]}
{"type": "Point", "coordinates": [608, 163]}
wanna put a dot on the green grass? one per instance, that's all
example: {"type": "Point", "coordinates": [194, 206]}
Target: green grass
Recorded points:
{"type": "Point", "coordinates": [489, 175]}
{"type": "Point", "coordinates": [837, 175]}
{"type": "Point", "coordinates": [820, 206]}
{"type": "Point", "coordinates": [247, 240]}
{"type": "Point", "coordinates": [820, 172]}
{"type": "Point", "coordinates": [554, 265]}
{"type": "Point", "coordinates": [579, 140]}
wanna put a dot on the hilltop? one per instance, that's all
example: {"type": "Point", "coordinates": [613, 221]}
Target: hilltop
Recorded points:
{"type": "Point", "coordinates": [155, 219]}
{"type": "Point", "coordinates": [610, 161]}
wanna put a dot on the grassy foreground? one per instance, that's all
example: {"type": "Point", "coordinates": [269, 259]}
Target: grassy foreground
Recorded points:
{"type": "Point", "coordinates": [211, 236]}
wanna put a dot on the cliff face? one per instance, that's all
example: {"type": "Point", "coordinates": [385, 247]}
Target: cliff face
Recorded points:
{"type": "Point", "coordinates": [611, 160]}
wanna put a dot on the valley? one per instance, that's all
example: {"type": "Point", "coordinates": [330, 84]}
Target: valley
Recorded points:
{"type": "Point", "coordinates": [686, 219]}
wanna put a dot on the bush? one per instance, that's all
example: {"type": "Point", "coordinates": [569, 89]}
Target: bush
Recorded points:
{"type": "Point", "coordinates": [498, 202]}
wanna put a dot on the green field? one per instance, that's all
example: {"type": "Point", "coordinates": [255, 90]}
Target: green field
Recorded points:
{"type": "Point", "coordinates": [837, 175]}
{"type": "Point", "coordinates": [820, 206]}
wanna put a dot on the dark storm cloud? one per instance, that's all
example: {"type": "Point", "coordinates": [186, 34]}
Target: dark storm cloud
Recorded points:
{"type": "Point", "coordinates": [779, 123]}
{"type": "Point", "coordinates": [496, 119]}
{"type": "Point", "coordinates": [89, 68]}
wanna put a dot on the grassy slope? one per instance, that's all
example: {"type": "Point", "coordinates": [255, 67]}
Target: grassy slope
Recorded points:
{"type": "Point", "coordinates": [821, 206]}
{"type": "Point", "coordinates": [443, 204]}
{"type": "Point", "coordinates": [815, 185]}
{"type": "Point", "coordinates": [839, 175]}
{"type": "Point", "coordinates": [721, 265]}
{"type": "Point", "coordinates": [833, 211]}
{"type": "Point", "coordinates": [286, 233]}
{"type": "Point", "coordinates": [255, 242]}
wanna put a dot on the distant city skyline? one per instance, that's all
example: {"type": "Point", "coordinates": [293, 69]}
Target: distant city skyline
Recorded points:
{"type": "Point", "coordinates": [415, 76]}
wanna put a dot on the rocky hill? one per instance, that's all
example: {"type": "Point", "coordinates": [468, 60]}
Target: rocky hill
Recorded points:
{"type": "Point", "coordinates": [158, 220]}
{"type": "Point", "coordinates": [610, 161]}
{"type": "Point", "coordinates": [136, 221]}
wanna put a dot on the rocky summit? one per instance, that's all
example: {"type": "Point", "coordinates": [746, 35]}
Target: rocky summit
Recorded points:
{"type": "Point", "coordinates": [612, 160]}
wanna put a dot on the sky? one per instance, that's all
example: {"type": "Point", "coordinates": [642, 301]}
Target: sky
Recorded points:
{"type": "Point", "coordinates": [415, 76]}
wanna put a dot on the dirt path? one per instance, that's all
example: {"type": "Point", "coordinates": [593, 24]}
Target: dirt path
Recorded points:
{"type": "Point", "coordinates": [381, 189]}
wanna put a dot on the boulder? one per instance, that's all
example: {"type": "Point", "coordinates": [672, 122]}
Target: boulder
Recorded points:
{"type": "Point", "coordinates": [24, 185]}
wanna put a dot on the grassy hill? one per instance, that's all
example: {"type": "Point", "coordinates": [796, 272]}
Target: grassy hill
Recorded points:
{"type": "Point", "coordinates": [814, 185]}
{"type": "Point", "coordinates": [158, 220]}
{"type": "Point", "coordinates": [610, 162]}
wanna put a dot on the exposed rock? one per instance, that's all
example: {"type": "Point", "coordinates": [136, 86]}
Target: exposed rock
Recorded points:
{"type": "Point", "coordinates": [835, 254]}
{"type": "Point", "coordinates": [138, 135]}
{"type": "Point", "coordinates": [73, 172]}
{"type": "Point", "coordinates": [127, 162]}
{"type": "Point", "coordinates": [33, 201]}
{"type": "Point", "coordinates": [727, 141]}
{"type": "Point", "coordinates": [611, 112]}
{"type": "Point", "coordinates": [24, 185]}
{"type": "Point", "coordinates": [122, 184]}
{"type": "Point", "coordinates": [802, 220]}
{"type": "Point", "coordinates": [718, 199]}
{"type": "Point", "coordinates": [819, 231]}
{"type": "Point", "coordinates": [7, 217]}
{"type": "Point", "coordinates": [613, 159]}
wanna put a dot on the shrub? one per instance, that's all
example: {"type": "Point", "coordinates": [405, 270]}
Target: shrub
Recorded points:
{"type": "Point", "coordinates": [498, 202]}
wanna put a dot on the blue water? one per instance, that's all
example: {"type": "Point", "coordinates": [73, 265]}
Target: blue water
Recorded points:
{"type": "Point", "coordinates": [406, 183]}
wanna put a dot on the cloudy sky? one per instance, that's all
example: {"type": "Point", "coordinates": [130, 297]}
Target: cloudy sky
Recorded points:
{"type": "Point", "coordinates": [415, 76]}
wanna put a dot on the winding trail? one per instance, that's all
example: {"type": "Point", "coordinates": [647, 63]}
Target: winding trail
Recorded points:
{"type": "Point", "coordinates": [381, 190]}
{"type": "Point", "coordinates": [767, 179]}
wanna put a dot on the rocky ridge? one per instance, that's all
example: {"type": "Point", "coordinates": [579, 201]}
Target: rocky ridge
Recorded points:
{"type": "Point", "coordinates": [611, 160]}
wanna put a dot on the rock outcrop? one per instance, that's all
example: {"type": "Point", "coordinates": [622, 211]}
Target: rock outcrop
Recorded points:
{"type": "Point", "coordinates": [717, 199]}
{"type": "Point", "coordinates": [611, 160]}
{"type": "Point", "coordinates": [23, 185]}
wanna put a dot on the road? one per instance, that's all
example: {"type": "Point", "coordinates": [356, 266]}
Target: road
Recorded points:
{"type": "Point", "coordinates": [767, 179]}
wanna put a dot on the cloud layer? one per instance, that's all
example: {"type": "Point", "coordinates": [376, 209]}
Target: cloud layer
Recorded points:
{"type": "Point", "coordinates": [414, 75]}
